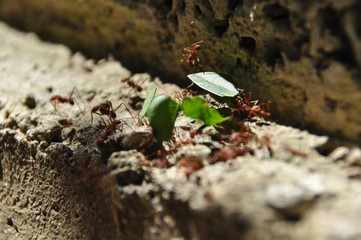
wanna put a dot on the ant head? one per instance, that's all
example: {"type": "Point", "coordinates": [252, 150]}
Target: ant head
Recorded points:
{"type": "Point", "coordinates": [113, 115]}
{"type": "Point", "coordinates": [126, 79]}
{"type": "Point", "coordinates": [94, 109]}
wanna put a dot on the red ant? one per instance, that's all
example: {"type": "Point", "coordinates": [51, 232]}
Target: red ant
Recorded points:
{"type": "Point", "coordinates": [230, 152]}
{"type": "Point", "coordinates": [132, 84]}
{"type": "Point", "coordinates": [180, 96]}
{"type": "Point", "coordinates": [242, 137]}
{"type": "Point", "coordinates": [106, 109]}
{"type": "Point", "coordinates": [70, 100]}
{"type": "Point", "coordinates": [59, 99]}
{"type": "Point", "coordinates": [114, 125]}
{"type": "Point", "coordinates": [246, 105]}
{"type": "Point", "coordinates": [190, 56]}
{"type": "Point", "coordinates": [191, 164]}
{"type": "Point", "coordinates": [162, 153]}
{"type": "Point", "coordinates": [186, 142]}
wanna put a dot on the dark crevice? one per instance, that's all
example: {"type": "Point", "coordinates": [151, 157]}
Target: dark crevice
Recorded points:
{"type": "Point", "coordinates": [197, 10]}
{"type": "Point", "coordinates": [173, 19]}
{"type": "Point", "coordinates": [275, 11]}
{"type": "Point", "coordinates": [239, 63]}
{"type": "Point", "coordinates": [232, 4]}
{"type": "Point", "coordinates": [273, 55]}
{"type": "Point", "coordinates": [247, 43]}
{"type": "Point", "coordinates": [164, 6]}
{"type": "Point", "coordinates": [11, 223]}
{"type": "Point", "coordinates": [331, 24]}
{"type": "Point", "coordinates": [220, 30]}
{"type": "Point", "coordinates": [129, 177]}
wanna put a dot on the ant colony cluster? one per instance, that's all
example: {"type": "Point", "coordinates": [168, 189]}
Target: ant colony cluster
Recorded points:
{"type": "Point", "coordinates": [108, 123]}
{"type": "Point", "coordinates": [232, 142]}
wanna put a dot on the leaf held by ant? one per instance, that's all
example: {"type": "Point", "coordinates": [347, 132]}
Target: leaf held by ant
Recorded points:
{"type": "Point", "coordinates": [147, 102]}
{"type": "Point", "coordinates": [196, 108]}
{"type": "Point", "coordinates": [162, 113]}
{"type": "Point", "coordinates": [214, 83]}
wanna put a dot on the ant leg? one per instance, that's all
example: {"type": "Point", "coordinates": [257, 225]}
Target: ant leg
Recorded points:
{"type": "Point", "coordinates": [197, 43]}
{"type": "Point", "coordinates": [126, 108]}
{"type": "Point", "coordinates": [54, 105]}
{"type": "Point", "coordinates": [76, 92]}
{"type": "Point", "coordinates": [190, 85]}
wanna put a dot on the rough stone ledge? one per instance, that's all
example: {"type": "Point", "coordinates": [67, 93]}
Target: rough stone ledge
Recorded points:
{"type": "Point", "coordinates": [57, 183]}
{"type": "Point", "coordinates": [304, 56]}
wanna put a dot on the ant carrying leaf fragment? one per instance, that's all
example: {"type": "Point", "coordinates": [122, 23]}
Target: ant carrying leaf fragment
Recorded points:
{"type": "Point", "coordinates": [252, 108]}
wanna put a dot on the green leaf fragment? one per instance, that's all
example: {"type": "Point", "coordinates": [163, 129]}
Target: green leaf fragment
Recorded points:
{"type": "Point", "coordinates": [214, 83]}
{"type": "Point", "coordinates": [162, 114]}
{"type": "Point", "coordinates": [148, 100]}
{"type": "Point", "coordinates": [196, 108]}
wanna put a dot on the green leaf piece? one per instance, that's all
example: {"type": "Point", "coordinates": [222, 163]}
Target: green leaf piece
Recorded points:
{"type": "Point", "coordinates": [214, 83]}
{"type": "Point", "coordinates": [162, 114]}
{"type": "Point", "coordinates": [148, 100]}
{"type": "Point", "coordinates": [196, 108]}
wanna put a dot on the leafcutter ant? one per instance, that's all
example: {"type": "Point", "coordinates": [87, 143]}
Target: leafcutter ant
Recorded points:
{"type": "Point", "coordinates": [251, 108]}
{"type": "Point", "coordinates": [190, 55]}
{"type": "Point", "coordinates": [241, 138]}
{"type": "Point", "coordinates": [112, 127]}
{"type": "Point", "coordinates": [104, 109]}
{"type": "Point", "coordinates": [230, 152]}
{"type": "Point", "coordinates": [132, 84]}
{"type": "Point", "coordinates": [59, 99]}
{"type": "Point", "coordinates": [107, 110]}
{"type": "Point", "coordinates": [181, 95]}
{"type": "Point", "coordinates": [191, 164]}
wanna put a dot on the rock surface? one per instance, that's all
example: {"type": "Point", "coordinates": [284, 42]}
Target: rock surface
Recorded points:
{"type": "Point", "coordinates": [304, 56]}
{"type": "Point", "coordinates": [58, 182]}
